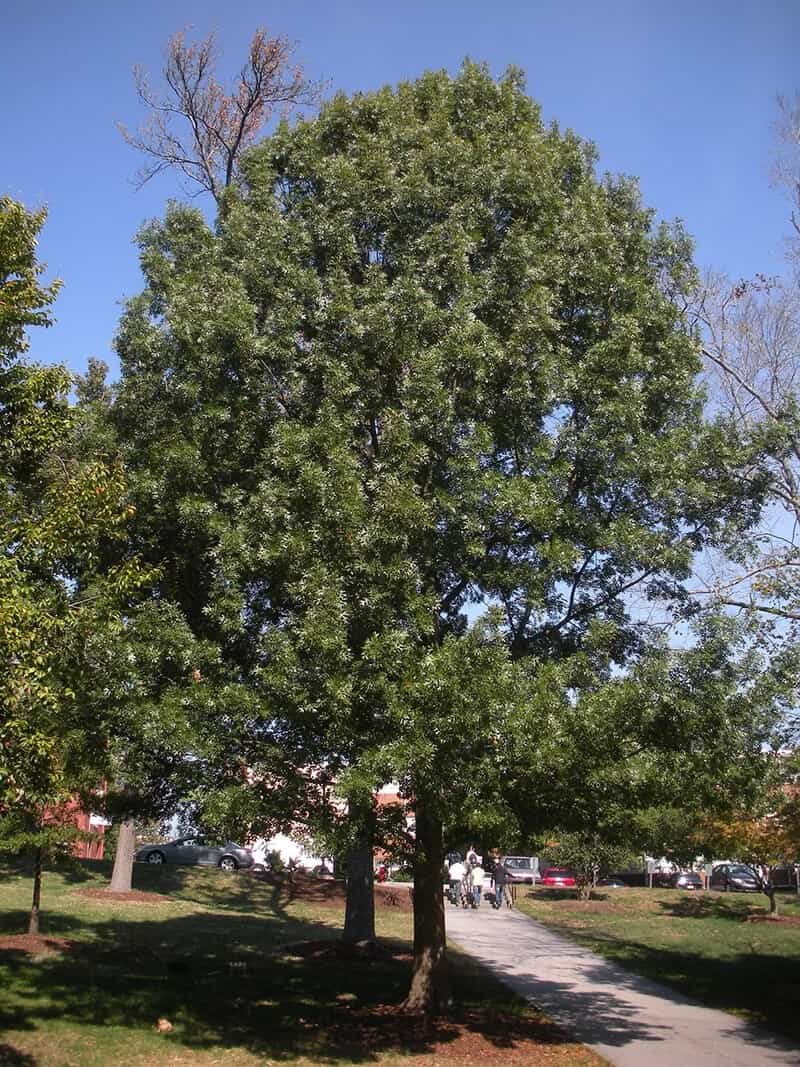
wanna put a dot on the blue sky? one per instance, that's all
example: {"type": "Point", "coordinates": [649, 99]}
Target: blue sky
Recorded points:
{"type": "Point", "coordinates": [680, 94]}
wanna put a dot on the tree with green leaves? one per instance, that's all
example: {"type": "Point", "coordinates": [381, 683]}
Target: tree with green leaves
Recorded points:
{"type": "Point", "coordinates": [413, 426]}
{"type": "Point", "coordinates": [635, 763]}
{"type": "Point", "coordinates": [64, 566]}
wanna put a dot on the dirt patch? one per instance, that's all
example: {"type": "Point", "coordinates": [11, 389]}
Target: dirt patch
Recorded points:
{"type": "Point", "coordinates": [394, 896]}
{"type": "Point", "coordinates": [34, 944]}
{"type": "Point", "coordinates": [786, 920]}
{"type": "Point", "coordinates": [133, 896]}
{"type": "Point", "coordinates": [300, 886]}
{"type": "Point", "coordinates": [314, 890]}
{"type": "Point", "coordinates": [583, 907]}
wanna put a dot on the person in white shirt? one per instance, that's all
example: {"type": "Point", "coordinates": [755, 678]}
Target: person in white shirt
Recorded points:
{"type": "Point", "coordinates": [478, 874]}
{"type": "Point", "coordinates": [456, 872]}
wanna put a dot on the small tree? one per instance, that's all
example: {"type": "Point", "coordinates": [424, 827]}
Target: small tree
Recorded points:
{"type": "Point", "coordinates": [756, 842]}
{"type": "Point", "coordinates": [60, 516]}
{"type": "Point", "coordinates": [588, 855]}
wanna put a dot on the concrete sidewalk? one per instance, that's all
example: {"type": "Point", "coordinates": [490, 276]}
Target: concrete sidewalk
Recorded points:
{"type": "Point", "coordinates": [631, 1021]}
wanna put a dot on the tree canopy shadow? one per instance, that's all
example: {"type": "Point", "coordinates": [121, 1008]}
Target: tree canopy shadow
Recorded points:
{"type": "Point", "coordinates": [12, 1057]}
{"type": "Point", "coordinates": [237, 980]}
{"type": "Point", "coordinates": [704, 906]}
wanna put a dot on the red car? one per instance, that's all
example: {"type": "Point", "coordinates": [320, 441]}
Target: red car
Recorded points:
{"type": "Point", "coordinates": [558, 878]}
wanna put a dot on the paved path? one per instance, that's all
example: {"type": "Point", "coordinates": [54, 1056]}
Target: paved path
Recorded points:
{"type": "Point", "coordinates": [631, 1021]}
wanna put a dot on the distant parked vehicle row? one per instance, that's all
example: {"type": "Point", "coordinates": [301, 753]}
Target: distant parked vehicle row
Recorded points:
{"type": "Point", "coordinates": [197, 852]}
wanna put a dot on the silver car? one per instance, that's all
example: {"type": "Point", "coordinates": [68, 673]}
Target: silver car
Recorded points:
{"type": "Point", "coordinates": [197, 852]}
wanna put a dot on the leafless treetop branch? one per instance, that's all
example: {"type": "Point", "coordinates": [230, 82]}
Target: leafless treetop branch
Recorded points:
{"type": "Point", "coordinates": [198, 127]}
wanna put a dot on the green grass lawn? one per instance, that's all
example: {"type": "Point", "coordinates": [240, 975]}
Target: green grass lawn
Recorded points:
{"type": "Point", "coordinates": [226, 960]}
{"type": "Point", "coordinates": [699, 943]}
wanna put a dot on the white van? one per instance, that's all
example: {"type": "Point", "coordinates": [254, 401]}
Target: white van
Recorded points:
{"type": "Point", "coordinates": [523, 869]}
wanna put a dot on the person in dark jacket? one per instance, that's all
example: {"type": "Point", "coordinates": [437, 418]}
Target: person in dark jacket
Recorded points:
{"type": "Point", "coordinates": [500, 880]}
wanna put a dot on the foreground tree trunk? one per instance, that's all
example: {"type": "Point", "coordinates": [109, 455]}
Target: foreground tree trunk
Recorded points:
{"type": "Point", "coordinates": [122, 872]}
{"type": "Point", "coordinates": [359, 917]}
{"type": "Point", "coordinates": [429, 993]}
{"type": "Point", "coordinates": [33, 921]}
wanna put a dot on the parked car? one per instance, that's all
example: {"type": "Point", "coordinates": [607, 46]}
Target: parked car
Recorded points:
{"type": "Point", "coordinates": [611, 883]}
{"type": "Point", "coordinates": [523, 869]}
{"type": "Point", "coordinates": [198, 852]}
{"type": "Point", "coordinates": [733, 876]}
{"type": "Point", "coordinates": [558, 878]}
{"type": "Point", "coordinates": [686, 880]}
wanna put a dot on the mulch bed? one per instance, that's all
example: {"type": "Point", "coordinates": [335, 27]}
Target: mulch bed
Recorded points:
{"type": "Point", "coordinates": [468, 1038]}
{"type": "Point", "coordinates": [299, 886]}
{"type": "Point", "coordinates": [34, 944]}
{"type": "Point", "coordinates": [314, 890]}
{"type": "Point", "coordinates": [133, 896]}
{"type": "Point", "coordinates": [787, 920]}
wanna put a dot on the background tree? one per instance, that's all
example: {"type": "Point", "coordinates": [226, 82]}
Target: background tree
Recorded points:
{"type": "Point", "coordinates": [751, 330]}
{"type": "Point", "coordinates": [631, 760]}
{"type": "Point", "coordinates": [199, 128]}
{"type": "Point", "coordinates": [751, 337]}
{"type": "Point", "coordinates": [787, 160]}
{"type": "Point", "coordinates": [587, 855]}
{"type": "Point", "coordinates": [758, 841]}
{"type": "Point", "coordinates": [60, 517]}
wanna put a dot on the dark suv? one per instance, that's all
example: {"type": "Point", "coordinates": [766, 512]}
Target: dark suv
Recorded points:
{"type": "Point", "coordinates": [783, 877]}
{"type": "Point", "coordinates": [734, 876]}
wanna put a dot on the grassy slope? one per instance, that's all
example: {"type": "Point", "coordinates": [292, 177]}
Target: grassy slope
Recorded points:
{"type": "Point", "coordinates": [700, 943]}
{"type": "Point", "coordinates": [216, 960]}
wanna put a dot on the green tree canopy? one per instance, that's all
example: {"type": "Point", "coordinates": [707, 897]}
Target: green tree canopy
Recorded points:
{"type": "Point", "coordinates": [428, 367]}
{"type": "Point", "coordinates": [65, 568]}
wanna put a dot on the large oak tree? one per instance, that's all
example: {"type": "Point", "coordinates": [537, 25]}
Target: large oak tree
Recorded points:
{"type": "Point", "coordinates": [429, 367]}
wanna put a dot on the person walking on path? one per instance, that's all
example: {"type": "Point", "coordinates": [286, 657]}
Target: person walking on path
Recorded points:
{"type": "Point", "coordinates": [466, 887]}
{"type": "Point", "coordinates": [631, 1021]}
{"type": "Point", "coordinates": [456, 873]}
{"type": "Point", "coordinates": [478, 875]}
{"type": "Point", "coordinates": [500, 879]}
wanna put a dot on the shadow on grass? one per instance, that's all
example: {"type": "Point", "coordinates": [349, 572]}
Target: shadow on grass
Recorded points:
{"type": "Point", "coordinates": [12, 1057]}
{"type": "Point", "coordinates": [233, 979]}
{"type": "Point", "coordinates": [705, 906]}
{"type": "Point", "coordinates": [542, 893]}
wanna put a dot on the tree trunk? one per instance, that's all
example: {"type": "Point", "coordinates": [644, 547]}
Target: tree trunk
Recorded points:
{"type": "Point", "coordinates": [773, 902]}
{"type": "Point", "coordinates": [429, 993]}
{"type": "Point", "coordinates": [359, 916]}
{"type": "Point", "coordinates": [33, 921]}
{"type": "Point", "coordinates": [122, 872]}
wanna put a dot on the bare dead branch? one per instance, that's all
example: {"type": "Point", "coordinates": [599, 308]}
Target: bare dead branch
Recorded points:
{"type": "Point", "coordinates": [215, 125]}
